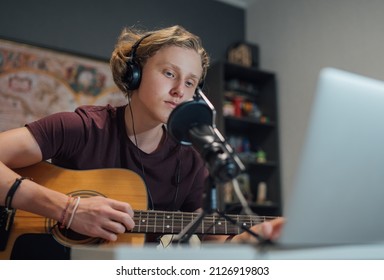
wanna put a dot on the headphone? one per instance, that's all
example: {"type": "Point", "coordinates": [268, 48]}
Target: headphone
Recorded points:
{"type": "Point", "coordinates": [133, 74]}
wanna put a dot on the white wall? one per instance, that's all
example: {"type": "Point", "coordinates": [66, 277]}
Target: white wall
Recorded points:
{"type": "Point", "coordinates": [299, 37]}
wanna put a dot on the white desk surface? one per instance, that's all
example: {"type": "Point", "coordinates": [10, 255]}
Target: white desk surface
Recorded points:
{"type": "Point", "coordinates": [229, 252]}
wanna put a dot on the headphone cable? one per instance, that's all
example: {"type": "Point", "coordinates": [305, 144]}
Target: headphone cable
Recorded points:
{"type": "Point", "coordinates": [139, 153]}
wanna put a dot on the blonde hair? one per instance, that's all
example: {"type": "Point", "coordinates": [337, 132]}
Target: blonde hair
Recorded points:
{"type": "Point", "coordinates": [171, 36]}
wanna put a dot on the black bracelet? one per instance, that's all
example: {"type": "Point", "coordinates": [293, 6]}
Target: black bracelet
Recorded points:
{"type": "Point", "coordinates": [11, 192]}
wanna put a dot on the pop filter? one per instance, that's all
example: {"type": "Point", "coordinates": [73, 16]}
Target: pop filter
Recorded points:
{"type": "Point", "coordinates": [186, 115]}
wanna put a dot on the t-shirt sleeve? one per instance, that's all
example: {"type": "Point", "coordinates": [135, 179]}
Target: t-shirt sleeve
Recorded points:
{"type": "Point", "coordinates": [59, 135]}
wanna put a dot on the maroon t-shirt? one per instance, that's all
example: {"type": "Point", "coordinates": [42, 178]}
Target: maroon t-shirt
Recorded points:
{"type": "Point", "coordinates": [95, 137]}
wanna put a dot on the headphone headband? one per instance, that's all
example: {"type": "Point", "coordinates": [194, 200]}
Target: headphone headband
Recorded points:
{"type": "Point", "coordinates": [133, 74]}
{"type": "Point", "coordinates": [136, 45]}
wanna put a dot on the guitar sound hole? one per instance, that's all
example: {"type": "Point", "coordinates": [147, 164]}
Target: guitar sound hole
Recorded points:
{"type": "Point", "coordinates": [68, 237]}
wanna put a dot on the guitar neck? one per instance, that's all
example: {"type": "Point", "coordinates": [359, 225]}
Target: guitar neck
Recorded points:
{"type": "Point", "coordinates": [173, 222]}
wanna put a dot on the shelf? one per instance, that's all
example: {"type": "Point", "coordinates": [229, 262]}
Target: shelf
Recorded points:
{"type": "Point", "coordinates": [268, 164]}
{"type": "Point", "coordinates": [252, 74]}
{"type": "Point", "coordinates": [245, 100]}
{"type": "Point", "coordinates": [236, 121]}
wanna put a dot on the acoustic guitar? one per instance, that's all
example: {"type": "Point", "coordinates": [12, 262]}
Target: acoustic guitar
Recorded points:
{"type": "Point", "coordinates": [119, 184]}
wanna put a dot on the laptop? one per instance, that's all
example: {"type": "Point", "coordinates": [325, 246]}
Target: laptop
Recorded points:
{"type": "Point", "coordinates": [338, 194]}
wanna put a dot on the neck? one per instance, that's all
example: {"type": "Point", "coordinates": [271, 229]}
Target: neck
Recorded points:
{"type": "Point", "coordinates": [147, 138]}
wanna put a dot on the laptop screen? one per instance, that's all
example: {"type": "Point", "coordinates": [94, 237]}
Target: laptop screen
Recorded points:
{"type": "Point", "coordinates": [338, 193]}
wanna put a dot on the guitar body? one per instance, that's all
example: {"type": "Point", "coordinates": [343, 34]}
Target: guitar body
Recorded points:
{"type": "Point", "coordinates": [119, 184]}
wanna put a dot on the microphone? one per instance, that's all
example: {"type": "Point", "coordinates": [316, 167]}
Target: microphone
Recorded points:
{"type": "Point", "coordinates": [193, 123]}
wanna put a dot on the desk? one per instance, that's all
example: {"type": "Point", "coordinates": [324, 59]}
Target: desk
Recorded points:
{"type": "Point", "coordinates": [229, 252]}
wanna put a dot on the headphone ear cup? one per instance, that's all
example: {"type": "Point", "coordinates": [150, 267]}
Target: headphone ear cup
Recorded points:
{"type": "Point", "coordinates": [133, 75]}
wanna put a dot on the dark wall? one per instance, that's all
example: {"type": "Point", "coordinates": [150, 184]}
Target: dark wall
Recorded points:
{"type": "Point", "coordinates": [90, 27]}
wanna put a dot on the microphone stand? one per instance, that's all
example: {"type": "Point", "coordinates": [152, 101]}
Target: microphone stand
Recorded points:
{"type": "Point", "coordinates": [223, 165]}
{"type": "Point", "coordinates": [184, 236]}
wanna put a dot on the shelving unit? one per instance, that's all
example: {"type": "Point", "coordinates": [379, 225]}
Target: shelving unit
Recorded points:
{"type": "Point", "coordinates": [245, 100]}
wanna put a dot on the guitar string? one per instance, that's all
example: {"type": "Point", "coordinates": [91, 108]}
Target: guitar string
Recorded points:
{"type": "Point", "coordinates": [152, 220]}
{"type": "Point", "coordinates": [153, 217]}
{"type": "Point", "coordinates": [182, 214]}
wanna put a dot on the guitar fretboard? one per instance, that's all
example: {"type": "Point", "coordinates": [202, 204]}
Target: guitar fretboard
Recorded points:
{"type": "Point", "coordinates": [173, 222]}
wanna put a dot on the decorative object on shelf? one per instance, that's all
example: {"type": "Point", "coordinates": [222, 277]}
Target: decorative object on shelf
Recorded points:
{"type": "Point", "coordinates": [250, 109]}
{"type": "Point", "coordinates": [228, 108]}
{"type": "Point", "coordinates": [263, 119]}
{"type": "Point", "coordinates": [237, 103]}
{"type": "Point", "coordinates": [244, 54]}
{"type": "Point", "coordinates": [261, 156]}
{"type": "Point", "coordinates": [261, 193]}
{"type": "Point", "coordinates": [228, 192]}
{"type": "Point", "coordinates": [240, 106]}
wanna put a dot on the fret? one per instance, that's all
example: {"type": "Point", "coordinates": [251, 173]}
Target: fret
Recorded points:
{"type": "Point", "coordinates": [242, 221]}
{"type": "Point", "coordinates": [221, 226]}
{"type": "Point", "coordinates": [188, 218]}
{"type": "Point", "coordinates": [173, 219]}
{"type": "Point", "coordinates": [139, 222]}
{"type": "Point", "coordinates": [163, 223]}
{"type": "Point", "coordinates": [180, 224]}
{"type": "Point", "coordinates": [182, 221]}
{"type": "Point", "coordinates": [155, 223]}
{"type": "Point", "coordinates": [146, 221]}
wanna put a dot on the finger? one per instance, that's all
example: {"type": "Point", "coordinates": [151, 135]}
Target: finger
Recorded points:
{"type": "Point", "coordinates": [122, 218]}
{"type": "Point", "coordinates": [114, 227]}
{"type": "Point", "coordinates": [266, 230]}
{"type": "Point", "coordinates": [107, 235]}
{"type": "Point", "coordinates": [100, 232]}
{"type": "Point", "coordinates": [278, 225]}
{"type": "Point", "coordinates": [122, 206]}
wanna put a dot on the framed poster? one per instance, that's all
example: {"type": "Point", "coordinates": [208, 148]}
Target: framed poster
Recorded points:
{"type": "Point", "coordinates": [36, 82]}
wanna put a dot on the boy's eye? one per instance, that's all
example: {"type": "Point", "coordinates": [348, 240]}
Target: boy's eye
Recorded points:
{"type": "Point", "coordinates": [169, 74]}
{"type": "Point", "coordinates": [189, 83]}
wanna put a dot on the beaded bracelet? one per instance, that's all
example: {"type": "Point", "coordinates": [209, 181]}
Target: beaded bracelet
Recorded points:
{"type": "Point", "coordinates": [11, 192]}
{"type": "Point", "coordinates": [73, 212]}
{"type": "Point", "coordinates": [64, 214]}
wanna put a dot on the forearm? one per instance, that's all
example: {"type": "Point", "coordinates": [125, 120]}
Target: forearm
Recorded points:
{"type": "Point", "coordinates": [30, 196]}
